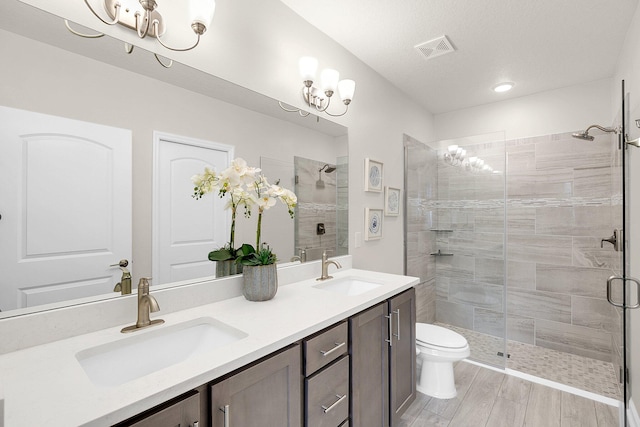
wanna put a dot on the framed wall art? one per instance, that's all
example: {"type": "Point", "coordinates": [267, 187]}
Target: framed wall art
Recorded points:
{"type": "Point", "coordinates": [373, 224]}
{"type": "Point", "coordinates": [372, 175]}
{"type": "Point", "coordinates": [391, 201]}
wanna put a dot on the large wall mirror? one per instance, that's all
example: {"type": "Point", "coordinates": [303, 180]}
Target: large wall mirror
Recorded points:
{"type": "Point", "coordinates": [47, 70]}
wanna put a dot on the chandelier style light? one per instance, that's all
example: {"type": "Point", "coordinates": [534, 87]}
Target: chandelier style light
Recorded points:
{"type": "Point", "coordinates": [319, 98]}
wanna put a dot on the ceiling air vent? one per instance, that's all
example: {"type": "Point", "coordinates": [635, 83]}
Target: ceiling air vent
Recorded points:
{"type": "Point", "coordinates": [435, 47]}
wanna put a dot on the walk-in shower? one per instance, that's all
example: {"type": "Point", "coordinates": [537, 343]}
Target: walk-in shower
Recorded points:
{"type": "Point", "coordinates": [524, 276]}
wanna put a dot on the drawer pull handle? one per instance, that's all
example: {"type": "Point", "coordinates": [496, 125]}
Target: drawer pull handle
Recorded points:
{"type": "Point", "coordinates": [337, 346]}
{"type": "Point", "coordinates": [389, 329]}
{"type": "Point", "coordinates": [225, 410]}
{"type": "Point", "coordinates": [329, 408]}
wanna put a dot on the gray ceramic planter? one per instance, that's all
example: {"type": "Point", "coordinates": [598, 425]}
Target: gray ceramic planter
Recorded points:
{"type": "Point", "coordinates": [260, 282]}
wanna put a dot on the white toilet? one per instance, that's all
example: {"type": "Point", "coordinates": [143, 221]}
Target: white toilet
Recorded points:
{"type": "Point", "coordinates": [438, 348]}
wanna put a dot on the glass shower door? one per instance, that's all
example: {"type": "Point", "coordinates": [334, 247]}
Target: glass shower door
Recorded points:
{"type": "Point", "coordinates": [456, 238]}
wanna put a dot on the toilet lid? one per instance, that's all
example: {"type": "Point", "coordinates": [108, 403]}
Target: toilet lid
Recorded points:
{"type": "Point", "coordinates": [439, 336]}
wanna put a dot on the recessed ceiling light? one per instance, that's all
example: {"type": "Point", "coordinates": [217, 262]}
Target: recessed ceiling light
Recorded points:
{"type": "Point", "coordinates": [503, 87]}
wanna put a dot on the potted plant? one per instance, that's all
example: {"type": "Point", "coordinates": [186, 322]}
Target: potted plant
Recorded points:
{"type": "Point", "coordinates": [259, 262]}
{"type": "Point", "coordinates": [231, 182]}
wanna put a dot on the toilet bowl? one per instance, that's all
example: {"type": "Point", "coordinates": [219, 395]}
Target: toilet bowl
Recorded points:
{"type": "Point", "coordinates": [437, 349]}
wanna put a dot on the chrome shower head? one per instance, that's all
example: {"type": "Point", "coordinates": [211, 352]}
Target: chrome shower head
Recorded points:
{"type": "Point", "coordinates": [585, 135]}
{"type": "Point", "coordinates": [327, 168]}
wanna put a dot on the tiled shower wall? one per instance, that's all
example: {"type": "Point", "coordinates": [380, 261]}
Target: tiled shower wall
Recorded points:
{"type": "Point", "coordinates": [561, 200]}
{"type": "Point", "coordinates": [421, 195]}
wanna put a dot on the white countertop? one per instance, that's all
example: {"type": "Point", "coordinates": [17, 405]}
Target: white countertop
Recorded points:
{"type": "Point", "coordinates": [46, 386]}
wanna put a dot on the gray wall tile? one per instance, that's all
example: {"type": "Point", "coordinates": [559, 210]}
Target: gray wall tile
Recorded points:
{"type": "Point", "coordinates": [539, 305]}
{"type": "Point", "coordinates": [454, 314]}
{"type": "Point", "coordinates": [540, 248]}
{"type": "Point", "coordinates": [489, 270]}
{"type": "Point", "coordinates": [476, 295]}
{"type": "Point", "coordinates": [593, 313]}
{"type": "Point", "coordinates": [582, 281]}
{"type": "Point", "coordinates": [592, 182]}
{"type": "Point", "coordinates": [521, 274]}
{"type": "Point", "coordinates": [489, 322]}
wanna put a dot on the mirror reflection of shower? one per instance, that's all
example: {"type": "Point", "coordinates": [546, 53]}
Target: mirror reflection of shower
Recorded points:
{"type": "Point", "coordinates": [316, 222]}
{"type": "Point", "coordinates": [455, 155]}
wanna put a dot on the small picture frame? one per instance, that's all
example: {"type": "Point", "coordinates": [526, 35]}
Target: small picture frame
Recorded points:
{"type": "Point", "coordinates": [372, 175]}
{"type": "Point", "coordinates": [372, 224]}
{"type": "Point", "coordinates": [391, 201]}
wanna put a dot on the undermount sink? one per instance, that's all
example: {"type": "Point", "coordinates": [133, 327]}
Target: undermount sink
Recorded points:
{"type": "Point", "coordinates": [349, 286]}
{"type": "Point", "coordinates": [134, 357]}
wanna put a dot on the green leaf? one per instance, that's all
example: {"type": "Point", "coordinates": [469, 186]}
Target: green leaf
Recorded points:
{"type": "Point", "coordinates": [222, 254]}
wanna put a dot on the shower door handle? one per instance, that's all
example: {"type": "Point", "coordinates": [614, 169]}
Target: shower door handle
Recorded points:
{"type": "Point", "coordinates": [624, 281]}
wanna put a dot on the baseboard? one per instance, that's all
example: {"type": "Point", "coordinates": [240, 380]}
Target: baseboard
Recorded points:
{"type": "Point", "coordinates": [632, 415]}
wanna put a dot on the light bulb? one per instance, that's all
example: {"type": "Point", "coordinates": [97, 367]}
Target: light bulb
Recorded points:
{"type": "Point", "coordinates": [329, 80]}
{"type": "Point", "coordinates": [308, 66]}
{"type": "Point", "coordinates": [346, 89]}
{"type": "Point", "coordinates": [202, 11]}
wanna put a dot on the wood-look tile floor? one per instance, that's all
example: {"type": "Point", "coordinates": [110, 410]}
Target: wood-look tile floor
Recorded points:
{"type": "Point", "coordinates": [488, 398]}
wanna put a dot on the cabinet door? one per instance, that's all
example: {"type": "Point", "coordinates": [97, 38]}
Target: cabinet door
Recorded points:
{"type": "Point", "coordinates": [267, 394]}
{"type": "Point", "coordinates": [185, 412]}
{"type": "Point", "coordinates": [402, 309]}
{"type": "Point", "coordinates": [369, 368]}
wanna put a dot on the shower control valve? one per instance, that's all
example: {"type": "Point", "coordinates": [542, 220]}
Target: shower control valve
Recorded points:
{"type": "Point", "coordinates": [615, 240]}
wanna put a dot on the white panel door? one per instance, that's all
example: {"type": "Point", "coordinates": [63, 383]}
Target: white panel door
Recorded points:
{"type": "Point", "coordinates": [186, 229]}
{"type": "Point", "coordinates": [65, 201]}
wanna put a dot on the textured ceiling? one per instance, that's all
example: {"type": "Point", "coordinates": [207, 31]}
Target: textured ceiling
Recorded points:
{"type": "Point", "coordinates": [540, 45]}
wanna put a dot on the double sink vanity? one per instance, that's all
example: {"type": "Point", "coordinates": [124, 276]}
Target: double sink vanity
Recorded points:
{"type": "Point", "coordinates": [314, 355]}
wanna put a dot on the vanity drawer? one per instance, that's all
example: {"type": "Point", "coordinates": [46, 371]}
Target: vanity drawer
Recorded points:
{"type": "Point", "coordinates": [327, 395]}
{"type": "Point", "coordinates": [324, 348]}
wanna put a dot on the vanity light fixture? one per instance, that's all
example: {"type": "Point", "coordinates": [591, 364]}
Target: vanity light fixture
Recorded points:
{"type": "Point", "coordinates": [503, 87]}
{"type": "Point", "coordinates": [319, 98]}
{"type": "Point", "coordinates": [142, 16]}
{"type": "Point", "coordinates": [457, 156]}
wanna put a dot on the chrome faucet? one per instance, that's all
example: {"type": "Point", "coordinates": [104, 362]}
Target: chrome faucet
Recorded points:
{"type": "Point", "coordinates": [325, 266]}
{"type": "Point", "coordinates": [146, 304]}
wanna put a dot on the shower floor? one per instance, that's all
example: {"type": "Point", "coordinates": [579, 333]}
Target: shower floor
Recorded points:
{"type": "Point", "coordinates": [576, 371]}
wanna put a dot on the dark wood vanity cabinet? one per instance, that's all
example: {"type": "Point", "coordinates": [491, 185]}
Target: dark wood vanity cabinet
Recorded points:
{"type": "Point", "coordinates": [383, 361]}
{"type": "Point", "coordinates": [183, 411]}
{"type": "Point", "coordinates": [266, 394]}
